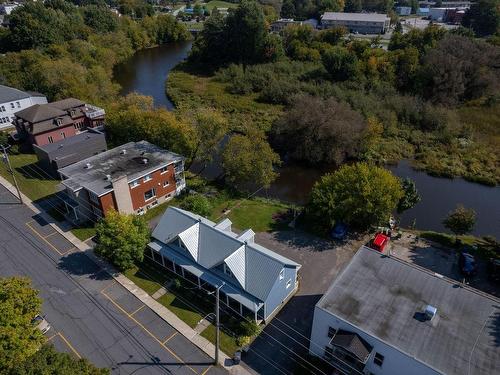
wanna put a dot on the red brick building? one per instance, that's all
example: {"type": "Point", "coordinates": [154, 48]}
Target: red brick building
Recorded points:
{"type": "Point", "coordinates": [130, 179]}
{"type": "Point", "coordinates": [42, 124]}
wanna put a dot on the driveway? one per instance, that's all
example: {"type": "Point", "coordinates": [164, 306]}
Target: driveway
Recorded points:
{"type": "Point", "coordinates": [282, 345]}
{"type": "Point", "coordinates": [441, 260]}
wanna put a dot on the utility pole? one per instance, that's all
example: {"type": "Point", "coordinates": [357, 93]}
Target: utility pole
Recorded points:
{"type": "Point", "coordinates": [7, 161]}
{"type": "Point", "coordinates": [217, 325]}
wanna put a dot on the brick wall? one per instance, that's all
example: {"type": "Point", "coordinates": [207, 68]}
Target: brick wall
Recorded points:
{"type": "Point", "coordinates": [157, 182]}
{"type": "Point", "coordinates": [43, 138]}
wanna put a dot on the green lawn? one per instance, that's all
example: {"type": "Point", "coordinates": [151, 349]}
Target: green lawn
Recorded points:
{"type": "Point", "coordinates": [32, 180]}
{"type": "Point", "coordinates": [227, 343]}
{"type": "Point", "coordinates": [219, 4]}
{"type": "Point", "coordinates": [142, 281]}
{"type": "Point", "coordinates": [257, 214]}
{"type": "Point", "coordinates": [181, 309]}
{"type": "Point", "coordinates": [84, 233]}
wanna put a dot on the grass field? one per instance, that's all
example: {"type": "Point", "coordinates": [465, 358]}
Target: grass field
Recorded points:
{"type": "Point", "coordinates": [227, 343]}
{"type": "Point", "coordinates": [219, 4]}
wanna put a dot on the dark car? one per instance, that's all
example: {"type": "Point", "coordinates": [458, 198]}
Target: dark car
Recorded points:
{"type": "Point", "coordinates": [339, 231]}
{"type": "Point", "coordinates": [468, 265]}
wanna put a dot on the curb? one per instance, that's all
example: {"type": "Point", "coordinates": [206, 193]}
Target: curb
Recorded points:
{"type": "Point", "coordinates": [164, 313]}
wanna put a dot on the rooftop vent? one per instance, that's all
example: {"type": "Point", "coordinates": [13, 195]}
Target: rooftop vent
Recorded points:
{"type": "Point", "coordinates": [123, 152]}
{"type": "Point", "coordinates": [145, 160]}
{"type": "Point", "coordinates": [108, 177]}
{"type": "Point", "coordinates": [430, 312]}
{"type": "Point", "coordinates": [88, 165]}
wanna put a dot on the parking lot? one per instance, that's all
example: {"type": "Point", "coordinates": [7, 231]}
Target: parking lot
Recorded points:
{"type": "Point", "coordinates": [441, 260]}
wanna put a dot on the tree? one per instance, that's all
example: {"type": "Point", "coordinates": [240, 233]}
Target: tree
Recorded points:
{"type": "Point", "coordinates": [4, 139]}
{"type": "Point", "coordinates": [331, 5]}
{"type": "Point", "coordinates": [483, 17]}
{"type": "Point", "coordinates": [460, 221]}
{"type": "Point", "coordinates": [288, 9]}
{"type": "Point", "coordinates": [19, 338]}
{"type": "Point", "coordinates": [211, 128]}
{"type": "Point", "coordinates": [48, 361]}
{"type": "Point", "coordinates": [341, 63]}
{"type": "Point", "coordinates": [410, 197]}
{"type": "Point", "coordinates": [317, 131]}
{"type": "Point", "coordinates": [101, 19]}
{"type": "Point", "coordinates": [197, 203]}
{"type": "Point", "coordinates": [359, 195]}
{"type": "Point", "coordinates": [249, 160]}
{"type": "Point", "coordinates": [353, 6]}
{"type": "Point", "coordinates": [122, 239]}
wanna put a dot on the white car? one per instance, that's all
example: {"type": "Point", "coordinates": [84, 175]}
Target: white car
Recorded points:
{"type": "Point", "coordinates": [40, 323]}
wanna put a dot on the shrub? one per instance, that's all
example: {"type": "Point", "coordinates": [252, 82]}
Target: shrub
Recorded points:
{"type": "Point", "coordinates": [198, 204]}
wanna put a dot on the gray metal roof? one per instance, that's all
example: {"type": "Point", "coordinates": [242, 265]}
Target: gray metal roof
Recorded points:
{"type": "Point", "coordinates": [9, 94]}
{"type": "Point", "coordinates": [363, 17]}
{"type": "Point", "coordinates": [384, 296]}
{"type": "Point", "coordinates": [125, 160]}
{"type": "Point", "coordinates": [255, 267]}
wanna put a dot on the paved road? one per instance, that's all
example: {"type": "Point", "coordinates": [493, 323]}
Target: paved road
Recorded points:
{"type": "Point", "coordinates": [91, 315]}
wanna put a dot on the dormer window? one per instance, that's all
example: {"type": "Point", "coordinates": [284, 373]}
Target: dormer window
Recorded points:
{"type": "Point", "coordinates": [58, 121]}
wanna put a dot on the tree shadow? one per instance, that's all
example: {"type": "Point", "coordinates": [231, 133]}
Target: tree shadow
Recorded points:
{"type": "Point", "coordinates": [299, 239]}
{"type": "Point", "coordinates": [79, 264]}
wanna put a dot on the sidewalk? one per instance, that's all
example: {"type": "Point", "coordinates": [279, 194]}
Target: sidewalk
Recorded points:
{"type": "Point", "coordinates": [145, 298]}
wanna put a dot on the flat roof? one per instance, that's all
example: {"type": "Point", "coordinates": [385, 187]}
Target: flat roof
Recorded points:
{"type": "Point", "coordinates": [385, 297]}
{"type": "Point", "coordinates": [125, 160]}
{"type": "Point", "coordinates": [367, 17]}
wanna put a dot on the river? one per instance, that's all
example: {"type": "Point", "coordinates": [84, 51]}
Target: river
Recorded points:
{"type": "Point", "coordinates": [147, 70]}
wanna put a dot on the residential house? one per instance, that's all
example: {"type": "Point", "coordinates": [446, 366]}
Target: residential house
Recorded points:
{"type": "Point", "coordinates": [363, 23]}
{"type": "Point", "coordinates": [130, 179]}
{"type": "Point", "coordinates": [255, 282]}
{"type": "Point", "coordinates": [57, 155]}
{"type": "Point", "coordinates": [385, 316]}
{"type": "Point", "coordinates": [13, 100]}
{"type": "Point", "coordinates": [7, 8]}
{"type": "Point", "coordinates": [41, 124]}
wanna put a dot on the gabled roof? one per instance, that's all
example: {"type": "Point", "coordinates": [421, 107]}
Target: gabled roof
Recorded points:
{"type": "Point", "coordinates": [9, 94]}
{"type": "Point", "coordinates": [40, 112]}
{"type": "Point", "coordinates": [254, 267]}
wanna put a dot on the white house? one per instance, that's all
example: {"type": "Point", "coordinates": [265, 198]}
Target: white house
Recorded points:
{"type": "Point", "coordinates": [13, 100]}
{"type": "Point", "coordinates": [7, 8]}
{"type": "Point", "coordinates": [386, 316]}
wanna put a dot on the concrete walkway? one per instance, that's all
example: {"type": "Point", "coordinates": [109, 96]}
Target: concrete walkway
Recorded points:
{"type": "Point", "coordinates": [145, 298]}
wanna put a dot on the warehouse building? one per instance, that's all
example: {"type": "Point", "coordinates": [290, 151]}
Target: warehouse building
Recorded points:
{"type": "Point", "coordinates": [362, 23]}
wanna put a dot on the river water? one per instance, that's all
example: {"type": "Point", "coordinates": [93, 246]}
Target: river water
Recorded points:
{"type": "Point", "coordinates": [147, 71]}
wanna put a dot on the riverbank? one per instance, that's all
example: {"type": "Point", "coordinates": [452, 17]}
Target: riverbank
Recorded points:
{"type": "Point", "coordinates": [475, 157]}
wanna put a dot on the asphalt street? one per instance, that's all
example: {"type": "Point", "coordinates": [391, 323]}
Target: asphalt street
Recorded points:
{"type": "Point", "coordinates": [91, 315]}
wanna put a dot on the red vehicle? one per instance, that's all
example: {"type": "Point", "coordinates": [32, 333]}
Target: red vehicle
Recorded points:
{"type": "Point", "coordinates": [380, 242]}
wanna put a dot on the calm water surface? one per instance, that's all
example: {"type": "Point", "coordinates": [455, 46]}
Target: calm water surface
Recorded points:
{"type": "Point", "coordinates": [147, 71]}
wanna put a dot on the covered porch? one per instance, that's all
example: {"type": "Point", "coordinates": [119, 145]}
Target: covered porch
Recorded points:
{"type": "Point", "coordinates": [235, 301]}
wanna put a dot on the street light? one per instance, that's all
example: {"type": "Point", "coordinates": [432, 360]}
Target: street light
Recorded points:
{"type": "Point", "coordinates": [217, 321]}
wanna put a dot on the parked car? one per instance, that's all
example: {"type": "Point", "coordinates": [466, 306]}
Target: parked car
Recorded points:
{"type": "Point", "coordinates": [467, 264]}
{"type": "Point", "coordinates": [339, 231]}
{"type": "Point", "coordinates": [494, 270]}
{"type": "Point", "coordinates": [380, 242]}
{"type": "Point", "coordinates": [40, 323]}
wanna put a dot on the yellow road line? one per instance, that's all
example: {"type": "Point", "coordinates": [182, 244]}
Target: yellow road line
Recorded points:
{"type": "Point", "coordinates": [206, 370]}
{"type": "Point", "coordinates": [107, 286]}
{"type": "Point", "coordinates": [169, 337]}
{"type": "Point", "coordinates": [69, 345]}
{"type": "Point", "coordinates": [51, 337]}
{"type": "Point", "coordinates": [51, 234]}
{"type": "Point", "coordinates": [139, 309]}
{"type": "Point", "coordinates": [147, 331]}
{"type": "Point", "coordinates": [43, 238]}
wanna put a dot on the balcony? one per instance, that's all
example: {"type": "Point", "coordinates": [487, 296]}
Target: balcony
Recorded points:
{"type": "Point", "coordinates": [93, 112]}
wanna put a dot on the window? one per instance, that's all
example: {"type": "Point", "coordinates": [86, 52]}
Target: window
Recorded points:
{"type": "Point", "coordinates": [328, 353]}
{"type": "Point", "coordinates": [63, 136]}
{"type": "Point", "coordinates": [166, 183]}
{"type": "Point", "coordinates": [378, 359]}
{"type": "Point", "coordinates": [134, 184]}
{"type": "Point", "coordinates": [331, 332]}
{"type": "Point", "coordinates": [50, 139]}
{"type": "Point", "coordinates": [289, 283]}
{"type": "Point", "coordinates": [282, 274]}
{"type": "Point", "coordinates": [147, 178]}
{"type": "Point", "coordinates": [2, 108]}
{"type": "Point", "coordinates": [164, 170]}
{"type": "Point", "coordinates": [150, 194]}
{"type": "Point", "coordinates": [59, 121]}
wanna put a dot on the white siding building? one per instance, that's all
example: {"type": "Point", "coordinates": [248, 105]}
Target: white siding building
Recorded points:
{"type": "Point", "coordinates": [384, 316]}
{"type": "Point", "coordinates": [13, 100]}
{"type": "Point", "coordinates": [364, 23]}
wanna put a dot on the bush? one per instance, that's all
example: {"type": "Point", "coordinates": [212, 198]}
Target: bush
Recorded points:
{"type": "Point", "coordinates": [198, 204]}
